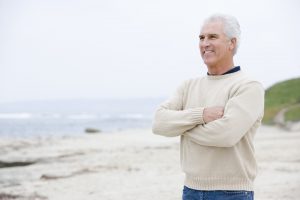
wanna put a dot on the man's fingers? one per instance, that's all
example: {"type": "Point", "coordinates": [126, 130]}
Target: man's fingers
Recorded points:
{"type": "Point", "coordinates": [213, 113]}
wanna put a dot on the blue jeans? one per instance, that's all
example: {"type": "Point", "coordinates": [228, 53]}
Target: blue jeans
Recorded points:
{"type": "Point", "coordinates": [191, 194]}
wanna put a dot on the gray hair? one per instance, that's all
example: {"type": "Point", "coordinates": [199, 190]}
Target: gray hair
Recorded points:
{"type": "Point", "coordinates": [231, 27]}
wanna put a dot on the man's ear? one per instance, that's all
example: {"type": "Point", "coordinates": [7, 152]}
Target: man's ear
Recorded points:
{"type": "Point", "coordinates": [232, 43]}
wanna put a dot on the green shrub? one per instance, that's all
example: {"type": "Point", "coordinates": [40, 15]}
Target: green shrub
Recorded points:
{"type": "Point", "coordinates": [282, 95]}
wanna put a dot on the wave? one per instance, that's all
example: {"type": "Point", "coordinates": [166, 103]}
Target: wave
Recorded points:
{"type": "Point", "coordinates": [133, 116]}
{"type": "Point", "coordinates": [15, 115]}
{"type": "Point", "coordinates": [75, 116]}
{"type": "Point", "coordinates": [82, 116]}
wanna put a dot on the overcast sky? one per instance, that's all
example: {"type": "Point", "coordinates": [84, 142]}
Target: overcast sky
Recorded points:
{"type": "Point", "coordinates": [94, 49]}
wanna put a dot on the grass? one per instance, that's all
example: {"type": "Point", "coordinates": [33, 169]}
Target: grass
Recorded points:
{"type": "Point", "coordinates": [282, 95]}
{"type": "Point", "coordinates": [293, 114]}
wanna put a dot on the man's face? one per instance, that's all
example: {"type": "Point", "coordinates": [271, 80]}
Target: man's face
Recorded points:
{"type": "Point", "coordinates": [215, 47]}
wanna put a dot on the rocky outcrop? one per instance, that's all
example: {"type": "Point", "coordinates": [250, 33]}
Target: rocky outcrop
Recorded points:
{"type": "Point", "coordinates": [92, 130]}
{"type": "Point", "coordinates": [5, 196]}
{"type": "Point", "coordinates": [4, 164]}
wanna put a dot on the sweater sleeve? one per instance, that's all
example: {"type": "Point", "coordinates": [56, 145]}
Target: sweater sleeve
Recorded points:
{"type": "Point", "coordinates": [241, 112]}
{"type": "Point", "coordinates": [170, 119]}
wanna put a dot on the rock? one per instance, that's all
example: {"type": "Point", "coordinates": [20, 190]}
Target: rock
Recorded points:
{"type": "Point", "coordinates": [4, 196]}
{"type": "Point", "coordinates": [52, 177]}
{"type": "Point", "coordinates": [92, 130]}
{"type": "Point", "coordinates": [15, 164]}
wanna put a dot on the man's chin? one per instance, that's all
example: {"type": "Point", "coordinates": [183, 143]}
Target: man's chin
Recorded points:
{"type": "Point", "coordinates": [208, 62]}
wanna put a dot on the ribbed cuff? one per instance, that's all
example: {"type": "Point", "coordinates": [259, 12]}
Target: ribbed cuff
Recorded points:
{"type": "Point", "coordinates": [197, 115]}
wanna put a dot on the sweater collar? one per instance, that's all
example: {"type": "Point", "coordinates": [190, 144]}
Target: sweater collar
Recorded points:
{"type": "Point", "coordinates": [232, 70]}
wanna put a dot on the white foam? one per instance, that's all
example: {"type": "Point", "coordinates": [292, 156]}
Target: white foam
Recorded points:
{"type": "Point", "coordinates": [15, 115]}
{"type": "Point", "coordinates": [133, 116]}
{"type": "Point", "coordinates": [82, 116]}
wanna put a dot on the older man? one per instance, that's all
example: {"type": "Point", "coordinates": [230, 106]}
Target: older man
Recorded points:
{"type": "Point", "coordinates": [216, 117]}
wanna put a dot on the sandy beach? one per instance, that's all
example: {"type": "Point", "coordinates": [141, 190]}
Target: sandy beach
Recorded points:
{"type": "Point", "coordinates": [130, 165]}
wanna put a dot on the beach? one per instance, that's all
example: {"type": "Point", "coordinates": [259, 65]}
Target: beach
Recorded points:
{"type": "Point", "coordinates": [129, 165]}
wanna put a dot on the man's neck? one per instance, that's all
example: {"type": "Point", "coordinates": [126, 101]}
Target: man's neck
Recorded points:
{"type": "Point", "coordinates": [220, 69]}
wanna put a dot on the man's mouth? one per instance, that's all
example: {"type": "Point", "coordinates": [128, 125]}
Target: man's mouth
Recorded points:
{"type": "Point", "coordinates": [207, 51]}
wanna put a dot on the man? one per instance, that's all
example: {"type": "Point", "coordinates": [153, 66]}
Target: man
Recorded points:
{"type": "Point", "coordinates": [216, 117]}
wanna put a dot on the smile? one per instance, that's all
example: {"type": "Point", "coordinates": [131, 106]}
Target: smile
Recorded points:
{"type": "Point", "coordinates": [207, 51]}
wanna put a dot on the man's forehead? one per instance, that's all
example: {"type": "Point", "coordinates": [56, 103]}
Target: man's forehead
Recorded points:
{"type": "Point", "coordinates": [215, 28]}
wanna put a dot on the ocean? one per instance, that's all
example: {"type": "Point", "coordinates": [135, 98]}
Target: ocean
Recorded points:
{"type": "Point", "coordinates": [72, 117]}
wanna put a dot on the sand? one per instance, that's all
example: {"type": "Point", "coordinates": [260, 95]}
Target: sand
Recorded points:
{"type": "Point", "coordinates": [131, 165]}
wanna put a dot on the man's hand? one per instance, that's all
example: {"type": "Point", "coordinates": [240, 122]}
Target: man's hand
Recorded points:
{"type": "Point", "coordinates": [212, 113]}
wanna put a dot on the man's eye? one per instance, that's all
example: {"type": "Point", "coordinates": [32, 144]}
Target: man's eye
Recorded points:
{"type": "Point", "coordinates": [201, 37]}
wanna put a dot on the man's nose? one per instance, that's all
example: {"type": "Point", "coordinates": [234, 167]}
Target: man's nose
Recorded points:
{"type": "Point", "coordinates": [204, 43]}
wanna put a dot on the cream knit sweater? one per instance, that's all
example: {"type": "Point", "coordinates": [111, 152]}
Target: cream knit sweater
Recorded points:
{"type": "Point", "coordinates": [218, 155]}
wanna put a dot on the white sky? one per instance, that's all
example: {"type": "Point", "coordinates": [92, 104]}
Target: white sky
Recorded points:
{"type": "Point", "coordinates": [63, 49]}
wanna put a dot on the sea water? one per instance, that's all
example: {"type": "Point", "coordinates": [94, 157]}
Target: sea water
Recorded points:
{"type": "Point", "coordinates": [69, 117]}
